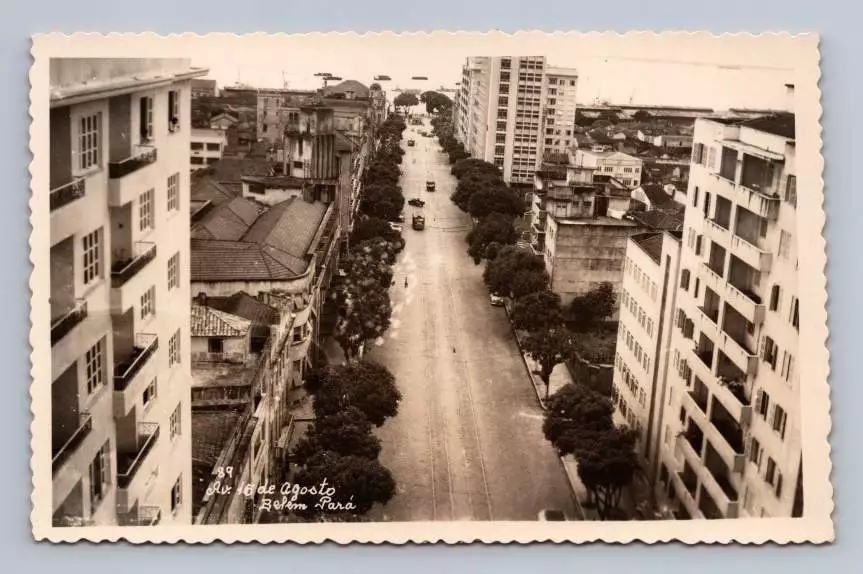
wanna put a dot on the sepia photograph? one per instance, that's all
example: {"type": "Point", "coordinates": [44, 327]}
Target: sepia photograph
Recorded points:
{"type": "Point", "coordinates": [428, 287]}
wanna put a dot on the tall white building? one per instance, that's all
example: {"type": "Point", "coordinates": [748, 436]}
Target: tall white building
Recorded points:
{"type": "Point", "coordinates": [119, 200]}
{"type": "Point", "coordinates": [647, 303]}
{"type": "Point", "coordinates": [513, 109]}
{"type": "Point", "coordinates": [731, 443]}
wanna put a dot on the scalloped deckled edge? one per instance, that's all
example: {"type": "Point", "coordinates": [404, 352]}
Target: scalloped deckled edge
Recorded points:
{"type": "Point", "coordinates": [816, 414]}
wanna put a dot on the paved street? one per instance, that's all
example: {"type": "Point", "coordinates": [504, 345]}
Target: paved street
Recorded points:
{"type": "Point", "coordinates": [467, 443]}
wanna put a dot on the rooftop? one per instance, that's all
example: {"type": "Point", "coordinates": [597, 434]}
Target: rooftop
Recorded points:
{"type": "Point", "coordinates": [211, 429]}
{"type": "Point", "coordinates": [244, 305]}
{"type": "Point", "coordinates": [227, 221]}
{"type": "Point", "coordinates": [600, 220]}
{"type": "Point", "coordinates": [359, 89]}
{"type": "Point", "coordinates": [233, 169]}
{"type": "Point", "coordinates": [201, 133]}
{"type": "Point", "coordinates": [650, 243]}
{"type": "Point", "coordinates": [212, 374]}
{"type": "Point", "coordinates": [656, 194]}
{"type": "Point", "coordinates": [209, 322]}
{"type": "Point", "coordinates": [780, 124]}
{"type": "Point", "coordinates": [669, 219]}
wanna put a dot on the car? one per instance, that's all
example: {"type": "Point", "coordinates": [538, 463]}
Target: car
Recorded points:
{"type": "Point", "coordinates": [411, 143]}
{"type": "Point", "coordinates": [396, 227]}
{"type": "Point", "coordinates": [430, 185]}
{"type": "Point", "coordinates": [551, 515]}
{"type": "Point", "coordinates": [400, 218]}
{"type": "Point", "coordinates": [496, 300]}
{"type": "Point", "coordinates": [416, 202]}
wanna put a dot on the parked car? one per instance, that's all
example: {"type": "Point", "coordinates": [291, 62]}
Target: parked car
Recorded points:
{"type": "Point", "coordinates": [550, 515]}
{"type": "Point", "coordinates": [418, 222]}
{"type": "Point", "coordinates": [400, 218]}
{"type": "Point", "coordinates": [411, 143]}
{"type": "Point", "coordinates": [430, 185]}
{"type": "Point", "coordinates": [416, 202]}
{"type": "Point", "coordinates": [496, 300]}
{"type": "Point", "coordinates": [396, 227]}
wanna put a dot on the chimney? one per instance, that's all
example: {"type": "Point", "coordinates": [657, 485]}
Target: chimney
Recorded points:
{"type": "Point", "coordinates": [202, 299]}
{"type": "Point", "coordinates": [789, 98]}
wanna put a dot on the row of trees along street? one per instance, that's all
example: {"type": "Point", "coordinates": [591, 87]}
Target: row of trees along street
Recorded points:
{"type": "Point", "coordinates": [351, 399]}
{"type": "Point", "coordinates": [578, 419]}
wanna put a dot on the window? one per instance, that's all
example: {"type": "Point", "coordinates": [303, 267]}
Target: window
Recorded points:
{"type": "Point", "coordinates": [215, 345]}
{"type": "Point", "coordinates": [214, 146]}
{"type": "Point", "coordinates": [500, 138]}
{"type": "Point", "coordinates": [791, 190]}
{"type": "Point", "coordinates": [784, 244]}
{"type": "Point", "coordinates": [770, 471]}
{"type": "Point", "coordinates": [711, 157]}
{"type": "Point", "coordinates": [100, 475]}
{"type": "Point", "coordinates": [770, 352]}
{"type": "Point", "coordinates": [789, 369]}
{"type": "Point", "coordinates": [95, 366]}
{"type": "Point", "coordinates": [762, 403]}
{"type": "Point", "coordinates": [502, 101]}
{"type": "Point", "coordinates": [89, 141]}
{"type": "Point", "coordinates": [501, 126]}
{"type": "Point", "coordinates": [684, 279]}
{"type": "Point", "coordinates": [177, 494]}
{"type": "Point", "coordinates": [698, 153]}
{"type": "Point", "coordinates": [175, 423]}
{"type": "Point", "coordinates": [501, 113]}
{"type": "Point", "coordinates": [148, 302]}
{"type": "Point", "coordinates": [145, 210]}
{"type": "Point", "coordinates": [174, 192]}
{"type": "Point", "coordinates": [755, 452]}
{"type": "Point", "coordinates": [145, 108]}
{"type": "Point", "coordinates": [174, 271]}
{"type": "Point", "coordinates": [775, 298]}
{"type": "Point", "coordinates": [794, 317]}
{"type": "Point", "coordinates": [173, 111]}
{"type": "Point", "coordinates": [92, 246]}
{"type": "Point", "coordinates": [499, 150]}
{"type": "Point", "coordinates": [698, 245]}
{"type": "Point", "coordinates": [174, 349]}
{"type": "Point", "coordinates": [150, 393]}
{"type": "Point", "coordinates": [695, 197]}
{"type": "Point", "coordinates": [780, 420]}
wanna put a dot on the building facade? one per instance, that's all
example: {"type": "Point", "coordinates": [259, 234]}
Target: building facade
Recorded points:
{"type": "Point", "coordinates": [207, 146]}
{"type": "Point", "coordinates": [119, 298]}
{"type": "Point", "coordinates": [511, 109]}
{"type": "Point", "coordinates": [608, 164]}
{"type": "Point", "coordinates": [647, 303]}
{"type": "Point", "coordinates": [731, 442]}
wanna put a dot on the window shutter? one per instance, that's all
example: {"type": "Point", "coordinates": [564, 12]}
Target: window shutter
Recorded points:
{"type": "Point", "coordinates": [782, 425]}
{"type": "Point", "coordinates": [142, 112]}
{"type": "Point", "coordinates": [771, 416]}
{"type": "Point", "coordinates": [778, 484]}
{"type": "Point", "coordinates": [747, 448]}
{"type": "Point", "coordinates": [758, 400]}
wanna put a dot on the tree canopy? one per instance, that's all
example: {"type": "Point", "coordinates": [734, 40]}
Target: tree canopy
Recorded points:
{"type": "Point", "coordinates": [368, 386]}
{"type": "Point", "coordinates": [372, 228]}
{"type": "Point", "coordinates": [383, 201]}
{"type": "Point", "coordinates": [495, 228]}
{"type": "Point", "coordinates": [538, 311]}
{"type": "Point", "coordinates": [594, 306]}
{"type": "Point", "coordinates": [463, 166]}
{"type": "Point", "coordinates": [548, 348]}
{"type": "Point", "coordinates": [347, 432]}
{"type": "Point", "coordinates": [496, 199]}
{"type": "Point", "coordinates": [606, 465]}
{"type": "Point", "coordinates": [405, 100]}
{"type": "Point", "coordinates": [364, 313]}
{"type": "Point", "coordinates": [435, 102]}
{"type": "Point", "coordinates": [354, 479]}
{"type": "Point", "coordinates": [575, 416]}
{"type": "Point", "coordinates": [515, 273]}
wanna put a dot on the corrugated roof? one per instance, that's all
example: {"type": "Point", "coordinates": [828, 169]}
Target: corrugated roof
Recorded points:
{"type": "Point", "coordinates": [209, 322]}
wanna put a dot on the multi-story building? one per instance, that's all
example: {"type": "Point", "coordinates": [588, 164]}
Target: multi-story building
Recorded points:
{"type": "Point", "coordinates": [119, 200]}
{"type": "Point", "coordinates": [512, 109]}
{"type": "Point", "coordinates": [206, 147]}
{"type": "Point", "coordinates": [731, 442]}
{"type": "Point", "coordinates": [608, 164]}
{"type": "Point", "coordinates": [647, 303]}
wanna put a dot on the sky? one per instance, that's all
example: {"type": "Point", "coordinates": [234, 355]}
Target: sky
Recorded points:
{"type": "Point", "coordinates": [647, 69]}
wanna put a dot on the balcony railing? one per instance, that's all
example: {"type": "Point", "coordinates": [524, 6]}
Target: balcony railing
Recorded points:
{"type": "Point", "coordinates": [125, 269]}
{"type": "Point", "coordinates": [62, 454]}
{"type": "Point", "coordinates": [125, 371]}
{"type": "Point", "coordinates": [712, 314]}
{"type": "Point", "coordinates": [67, 193]}
{"type": "Point", "coordinates": [224, 357]}
{"type": "Point", "coordinates": [700, 399]}
{"type": "Point", "coordinates": [129, 463]}
{"type": "Point", "coordinates": [142, 516]}
{"type": "Point", "coordinates": [145, 156]}
{"type": "Point", "coordinates": [62, 326]}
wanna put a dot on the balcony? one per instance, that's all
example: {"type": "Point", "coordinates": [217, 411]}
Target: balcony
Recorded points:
{"type": "Point", "coordinates": [130, 176]}
{"type": "Point", "coordinates": [743, 358]}
{"type": "Point", "coordinates": [711, 278]}
{"type": "Point", "coordinates": [65, 323]}
{"type": "Point", "coordinates": [141, 516]}
{"type": "Point", "coordinates": [121, 271]}
{"type": "Point", "coordinates": [129, 463]}
{"type": "Point", "coordinates": [752, 255]}
{"type": "Point", "coordinates": [125, 371]}
{"type": "Point", "coordinates": [66, 194]}
{"type": "Point", "coordinates": [62, 454]}
{"type": "Point", "coordinates": [732, 395]}
{"type": "Point", "coordinates": [717, 233]}
{"type": "Point", "coordinates": [746, 303]}
{"type": "Point", "coordinates": [727, 438]}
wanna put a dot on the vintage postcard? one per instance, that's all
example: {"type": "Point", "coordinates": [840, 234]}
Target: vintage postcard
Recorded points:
{"type": "Point", "coordinates": [429, 287]}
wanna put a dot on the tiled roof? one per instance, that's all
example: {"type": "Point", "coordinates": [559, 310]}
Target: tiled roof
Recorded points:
{"type": "Point", "coordinates": [205, 188]}
{"type": "Point", "coordinates": [289, 226]}
{"type": "Point", "coordinates": [670, 219]}
{"type": "Point", "coordinates": [209, 322]}
{"type": "Point", "coordinates": [651, 243]}
{"type": "Point", "coordinates": [359, 89]}
{"type": "Point", "coordinates": [275, 181]}
{"type": "Point", "coordinates": [214, 260]}
{"type": "Point", "coordinates": [244, 305]}
{"type": "Point", "coordinates": [211, 431]}
{"type": "Point", "coordinates": [228, 221]}
{"type": "Point", "coordinates": [344, 143]}
{"type": "Point", "coordinates": [656, 194]}
{"type": "Point", "coordinates": [233, 169]}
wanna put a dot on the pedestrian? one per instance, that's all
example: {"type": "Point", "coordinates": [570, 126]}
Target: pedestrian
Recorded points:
{"type": "Point", "coordinates": [453, 349]}
{"type": "Point", "coordinates": [406, 282]}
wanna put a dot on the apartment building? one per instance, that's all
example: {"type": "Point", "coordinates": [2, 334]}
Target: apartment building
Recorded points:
{"type": "Point", "coordinates": [608, 164]}
{"type": "Point", "coordinates": [511, 109]}
{"type": "Point", "coordinates": [647, 303]}
{"type": "Point", "coordinates": [731, 443]}
{"type": "Point", "coordinates": [206, 147]}
{"type": "Point", "coordinates": [119, 201]}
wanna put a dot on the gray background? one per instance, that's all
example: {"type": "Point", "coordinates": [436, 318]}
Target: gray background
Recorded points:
{"type": "Point", "coordinates": [838, 23]}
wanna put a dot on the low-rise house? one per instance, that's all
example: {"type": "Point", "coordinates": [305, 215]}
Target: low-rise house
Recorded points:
{"type": "Point", "coordinates": [207, 146]}
{"type": "Point", "coordinates": [611, 164]}
{"type": "Point", "coordinates": [223, 121]}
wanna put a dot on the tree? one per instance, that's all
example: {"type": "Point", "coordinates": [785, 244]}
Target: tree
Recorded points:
{"type": "Point", "coordinates": [548, 348]}
{"type": "Point", "coordinates": [496, 228]}
{"type": "Point", "coordinates": [372, 228]}
{"type": "Point", "coordinates": [364, 312]}
{"type": "Point", "coordinates": [358, 263]}
{"type": "Point", "coordinates": [347, 432]}
{"type": "Point", "coordinates": [404, 101]}
{"type": "Point", "coordinates": [606, 465]}
{"type": "Point", "coordinates": [492, 249]}
{"type": "Point", "coordinates": [463, 166]}
{"type": "Point", "coordinates": [355, 480]}
{"type": "Point", "coordinates": [515, 273]}
{"type": "Point", "coordinates": [384, 201]}
{"type": "Point", "coordinates": [595, 305]}
{"type": "Point", "coordinates": [576, 415]}
{"type": "Point", "coordinates": [435, 102]}
{"type": "Point", "coordinates": [473, 182]}
{"type": "Point", "coordinates": [641, 116]}
{"type": "Point", "coordinates": [368, 386]}
{"type": "Point", "coordinates": [500, 199]}
{"type": "Point", "coordinates": [382, 172]}
{"type": "Point", "coordinates": [538, 311]}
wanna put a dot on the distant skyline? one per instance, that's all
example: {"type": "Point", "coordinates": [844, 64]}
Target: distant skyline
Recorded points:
{"type": "Point", "coordinates": [708, 72]}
